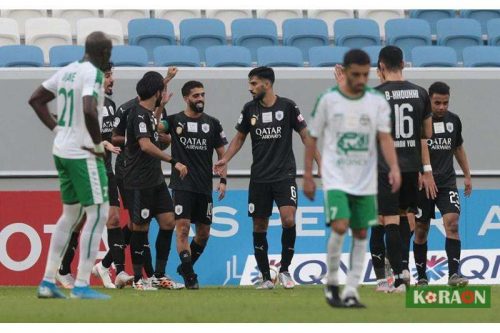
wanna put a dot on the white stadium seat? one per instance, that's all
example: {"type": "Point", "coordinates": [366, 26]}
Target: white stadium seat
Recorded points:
{"type": "Point", "coordinates": [46, 32]}
{"type": "Point", "coordinates": [111, 27]}
{"type": "Point", "coordinates": [330, 16]}
{"type": "Point", "coordinates": [125, 15]}
{"type": "Point", "coordinates": [381, 16]}
{"type": "Point", "coordinates": [279, 15]}
{"type": "Point", "coordinates": [9, 32]}
{"type": "Point", "coordinates": [21, 15]}
{"type": "Point", "coordinates": [228, 15]}
{"type": "Point", "coordinates": [176, 16]}
{"type": "Point", "coordinates": [73, 15]}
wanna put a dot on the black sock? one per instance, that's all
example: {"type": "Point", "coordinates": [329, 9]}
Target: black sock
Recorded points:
{"type": "Point", "coordinates": [405, 232]}
{"type": "Point", "coordinates": [196, 251]}
{"type": "Point", "coordinates": [138, 245]}
{"type": "Point", "coordinates": [420, 255]}
{"type": "Point", "coordinates": [108, 258]}
{"type": "Point", "coordinates": [453, 247]}
{"type": "Point", "coordinates": [126, 235]}
{"type": "Point", "coordinates": [148, 261]}
{"type": "Point", "coordinates": [377, 250]}
{"type": "Point", "coordinates": [116, 249]}
{"type": "Point", "coordinates": [186, 263]}
{"type": "Point", "coordinates": [163, 241]}
{"type": "Point", "coordinates": [260, 250]}
{"type": "Point", "coordinates": [65, 267]}
{"type": "Point", "coordinates": [393, 241]}
{"type": "Point", "coordinates": [288, 236]}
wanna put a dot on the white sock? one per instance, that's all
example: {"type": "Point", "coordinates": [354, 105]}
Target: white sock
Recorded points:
{"type": "Point", "coordinates": [61, 236]}
{"type": "Point", "coordinates": [334, 251]}
{"type": "Point", "coordinates": [90, 238]}
{"type": "Point", "coordinates": [358, 252]}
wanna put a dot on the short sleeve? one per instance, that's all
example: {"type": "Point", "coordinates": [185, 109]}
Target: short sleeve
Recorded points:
{"type": "Point", "coordinates": [140, 127]}
{"type": "Point", "coordinates": [51, 83]}
{"type": "Point", "coordinates": [317, 123]}
{"type": "Point", "coordinates": [220, 139]}
{"type": "Point", "coordinates": [460, 139]}
{"type": "Point", "coordinates": [92, 82]}
{"type": "Point", "coordinates": [243, 124]}
{"type": "Point", "coordinates": [297, 120]}
{"type": "Point", "coordinates": [427, 107]}
{"type": "Point", "coordinates": [384, 117]}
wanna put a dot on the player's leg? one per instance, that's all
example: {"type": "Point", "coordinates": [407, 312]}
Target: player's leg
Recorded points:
{"type": "Point", "coordinates": [63, 275]}
{"type": "Point", "coordinates": [164, 212]}
{"type": "Point", "coordinates": [202, 214]}
{"type": "Point", "coordinates": [377, 251]}
{"type": "Point", "coordinates": [423, 220]}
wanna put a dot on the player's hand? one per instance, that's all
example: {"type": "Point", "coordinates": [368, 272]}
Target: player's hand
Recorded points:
{"type": "Point", "coordinates": [338, 72]}
{"type": "Point", "coordinates": [171, 73]}
{"type": "Point", "coordinates": [109, 146]}
{"type": "Point", "coordinates": [309, 187]}
{"type": "Point", "coordinates": [93, 152]}
{"type": "Point", "coordinates": [468, 186]}
{"type": "Point", "coordinates": [429, 184]}
{"type": "Point", "coordinates": [183, 170]}
{"type": "Point", "coordinates": [220, 166]}
{"type": "Point", "coordinates": [395, 179]}
{"type": "Point", "coordinates": [165, 138]}
{"type": "Point", "coordinates": [221, 189]}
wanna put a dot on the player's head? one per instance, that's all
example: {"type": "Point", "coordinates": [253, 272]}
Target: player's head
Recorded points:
{"type": "Point", "coordinates": [150, 86]}
{"type": "Point", "coordinates": [108, 79]}
{"type": "Point", "coordinates": [193, 93]}
{"type": "Point", "coordinates": [260, 80]}
{"type": "Point", "coordinates": [98, 49]}
{"type": "Point", "coordinates": [356, 70]}
{"type": "Point", "coordinates": [390, 59]}
{"type": "Point", "coordinates": [439, 92]}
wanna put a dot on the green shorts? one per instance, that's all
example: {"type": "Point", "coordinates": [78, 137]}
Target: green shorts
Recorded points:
{"type": "Point", "coordinates": [360, 210]}
{"type": "Point", "coordinates": [82, 180]}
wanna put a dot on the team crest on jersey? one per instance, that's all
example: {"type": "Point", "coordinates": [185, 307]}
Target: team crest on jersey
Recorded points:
{"type": "Point", "coordinates": [145, 213]}
{"type": "Point", "coordinates": [205, 128]}
{"type": "Point", "coordinates": [178, 130]}
{"type": "Point", "coordinates": [279, 115]}
{"type": "Point", "coordinates": [178, 209]}
{"type": "Point", "coordinates": [449, 127]}
{"type": "Point", "coordinates": [253, 121]}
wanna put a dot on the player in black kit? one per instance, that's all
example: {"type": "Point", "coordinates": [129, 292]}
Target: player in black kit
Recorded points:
{"type": "Point", "coordinates": [195, 137]}
{"type": "Point", "coordinates": [445, 143]}
{"type": "Point", "coordinates": [270, 120]}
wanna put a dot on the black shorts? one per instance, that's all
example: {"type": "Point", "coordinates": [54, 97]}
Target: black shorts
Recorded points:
{"type": "Point", "coordinates": [405, 199]}
{"type": "Point", "coordinates": [144, 204]}
{"type": "Point", "coordinates": [262, 195]}
{"type": "Point", "coordinates": [447, 201]}
{"type": "Point", "coordinates": [196, 207]}
{"type": "Point", "coordinates": [124, 192]}
{"type": "Point", "coordinates": [114, 200]}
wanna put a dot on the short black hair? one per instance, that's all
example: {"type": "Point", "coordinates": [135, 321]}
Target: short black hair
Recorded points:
{"type": "Point", "coordinates": [262, 72]}
{"type": "Point", "coordinates": [149, 85]}
{"type": "Point", "coordinates": [440, 88]}
{"type": "Point", "coordinates": [108, 67]}
{"type": "Point", "coordinates": [188, 86]}
{"type": "Point", "coordinates": [356, 56]}
{"type": "Point", "coordinates": [392, 57]}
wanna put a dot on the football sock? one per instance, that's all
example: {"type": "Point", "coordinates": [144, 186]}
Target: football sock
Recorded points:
{"type": "Point", "coordinates": [163, 242]}
{"type": "Point", "coordinates": [196, 251]}
{"type": "Point", "coordinates": [186, 263]}
{"type": "Point", "coordinates": [65, 267]}
{"type": "Point", "coordinates": [148, 261]}
{"type": "Point", "coordinates": [453, 247]}
{"type": "Point", "coordinates": [126, 235]}
{"type": "Point", "coordinates": [288, 236]}
{"type": "Point", "coordinates": [138, 246]}
{"type": "Point", "coordinates": [357, 262]}
{"type": "Point", "coordinates": [335, 243]}
{"type": "Point", "coordinates": [260, 247]}
{"type": "Point", "coordinates": [405, 233]}
{"type": "Point", "coordinates": [116, 248]}
{"type": "Point", "coordinates": [393, 240]}
{"type": "Point", "coordinates": [377, 250]}
{"type": "Point", "coordinates": [420, 255]}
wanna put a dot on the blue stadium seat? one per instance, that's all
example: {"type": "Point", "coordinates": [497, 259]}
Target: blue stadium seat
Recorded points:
{"type": "Point", "coordinates": [494, 32]}
{"type": "Point", "coordinates": [280, 56]}
{"type": "Point", "coordinates": [150, 33]}
{"type": "Point", "coordinates": [228, 56]}
{"type": "Point", "coordinates": [254, 33]}
{"type": "Point", "coordinates": [326, 56]}
{"type": "Point", "coordinates": [432, 16]}
{"type": "Point", "coordinates": [63, 55]}
{"type": "Point", "coordinates": [373, 52]}
{"type": "Point", "coordinates": [481, 56]}
{"type": "Point", "coordinates": [182, 56]}
{"type": "Point", "coordinates": [304, 34]}
{"type": "Point", "coordinates": [129, 55]}
{"type": "Point", "coordinates": [481, 15]}
{"type": "Point", "coordinates": [434, 56]}
{"type": "Point", "coordinates": [459, 33]}
{"type": "Point", "coordinates": [21, 56]}
{"type": "Point", "coordinates": [407, 34]}
{"type": "Point", "coordinates": [202, 33]}
{"type": "Point", "coordinates": [356, 33]}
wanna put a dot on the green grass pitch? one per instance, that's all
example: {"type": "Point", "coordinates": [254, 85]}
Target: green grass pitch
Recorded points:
{"type": "Point", "coordinates": [227, 304]}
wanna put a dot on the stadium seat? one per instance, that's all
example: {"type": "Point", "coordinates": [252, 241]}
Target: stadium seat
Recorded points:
{"type": "Point", "coordinates": [356, 33]}
{"type": "Point", "coordinates": [481, 56]}
{"type": "Point", "coordinates": [373, 52]}
{"type": "Point", "coordinates": [125, 15]}
{"type": "Point", "coordinates": [46, 32]}
{"type": "Point", "coordinates": [73, 15]}
{"type": "Point", "coordinates": [254, 33]}
{"type": "Point", "coordinates": [434, 56]}
{"type": "Point", "coordinates": [381, 16]}
{"type": "Point", "coordinates": [150, 33]}
{"type": "Point", "coordinates": [330, 16]}
{"type": "Point", "coordinates": [459, 33]}
{"type": "Point", "coordinates": [326, 56]}
{"type": "Point", "coordinates": [494, 32]}
{"type": "Point", "coordinates": [9, 32]}
{"type": "Point", "coordinates": [202, 33]}
{"type": "Point", "coordinates": [182, 56]}
{"type": "Point", "coordinates": [21, 15]}
{"type": "Point", "coordinates": [63, 55]}
{"type": "Point", "coordinates": [432, 16]}
{"type": "Point", "coordinates": [304, 34]}
{"type": "Point", "coordinates": [129, 55]}
{"type": "Point", "coordinates": [111, 27]}
{"type": "Point", "coordinates": [482, 16]}
{"type": "Point", "coordinates": [21, 56]}
{"type": "Point", "coordinates": [280, 56]}
{"type": "Point", "coordinates": [228, 16]}
{"type": "Point", "coordinates": [278, 16]}
{"type": "Point", "coordinates": [407, 34]}
{"type": "Point", "coordinates": [228, 56]}
{"type": "Point", "coordinates": [176, 16]}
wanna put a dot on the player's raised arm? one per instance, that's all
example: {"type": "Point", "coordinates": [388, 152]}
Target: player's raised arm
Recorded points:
{"type": "Point", "coordinates": [38, 101]}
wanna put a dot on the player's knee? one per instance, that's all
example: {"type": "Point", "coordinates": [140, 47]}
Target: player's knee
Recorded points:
{"type": "Point", "coordinates": [288, 221]}
{"type": "Point", "coordinates": [421, 231]}
{"type": "Point", "coordinates": [182, 230]}
{"type": "Point", "coordinates": [113, 220]}
{"type": "Point", "coordinates": [260, 225]}
{"type": "Point", "coordinates": [452, 229]}
{"type": "Point", "coordinates": [339, 228]}
{"type": "Point", "coordinates": [359, 233]}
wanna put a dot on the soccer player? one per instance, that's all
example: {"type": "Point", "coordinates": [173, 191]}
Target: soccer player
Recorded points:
{"type": "Point", "coordinates": [195, 136]}
{"type": "Point", "coordinates": [270, 120]}
{"type": "Point", "coordinates": [350, 118]}
{"type": "Point", "coordinates": [445, 143]}
{"type": "Point", "coordinates": [78, 153]}
{"type": "Point", "coordinates": [149, 195]}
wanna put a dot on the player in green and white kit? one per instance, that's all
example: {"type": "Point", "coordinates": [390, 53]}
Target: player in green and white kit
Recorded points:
{"type": "Point", "coordinates": [350, 118]}
{"type": "Point", "coordinates": [79, 158]}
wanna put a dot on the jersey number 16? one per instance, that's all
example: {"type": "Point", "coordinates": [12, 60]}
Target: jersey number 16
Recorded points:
{"type": "Point", "coordinates": [404, 123]}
